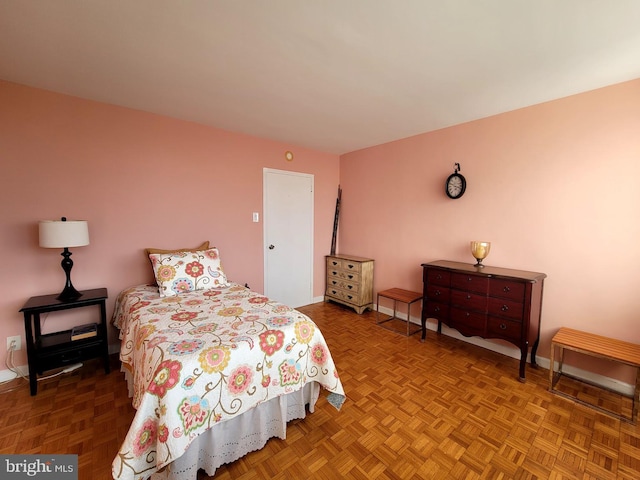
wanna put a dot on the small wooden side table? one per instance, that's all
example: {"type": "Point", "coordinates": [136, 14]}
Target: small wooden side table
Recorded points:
{"type": "Point", "coordinates": [596, 346]}
{"type": "Point", "coordinates": [402, 296]}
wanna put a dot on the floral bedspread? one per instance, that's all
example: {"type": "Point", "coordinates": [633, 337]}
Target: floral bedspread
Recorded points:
{"type": "Point", "coordinates": [203, 357]}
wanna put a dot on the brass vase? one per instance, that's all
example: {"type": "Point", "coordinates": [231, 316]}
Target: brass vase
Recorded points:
{"type": "Point", "coordinates": [480, 250]}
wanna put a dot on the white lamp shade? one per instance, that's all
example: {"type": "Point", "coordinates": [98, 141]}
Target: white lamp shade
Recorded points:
{"type": "Point", "coordinates": [63, 234]}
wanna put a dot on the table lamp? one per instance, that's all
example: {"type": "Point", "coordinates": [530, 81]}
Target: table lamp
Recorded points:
{"type": "Point", "coordinates": [65, 234]}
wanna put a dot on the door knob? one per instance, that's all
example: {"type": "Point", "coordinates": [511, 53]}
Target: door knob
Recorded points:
{"type": "Point", "coordinates": [271, 247]}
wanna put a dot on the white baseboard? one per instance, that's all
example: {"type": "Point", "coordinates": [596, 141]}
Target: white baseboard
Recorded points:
{"type": "Point", "coordinates": [6, 375]}
{"type": "Point", "coordinates": [508, 350]}
{"type": "Point", "coordinates": [514, 352]}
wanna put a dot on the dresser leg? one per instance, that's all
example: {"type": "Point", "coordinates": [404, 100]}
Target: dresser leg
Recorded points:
{"type": "Point", "coordinates": [534, 349]}
{"type": "Point", "coordinates": [523, 363]}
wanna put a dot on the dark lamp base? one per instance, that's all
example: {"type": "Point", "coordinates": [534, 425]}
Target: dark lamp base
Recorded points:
{"type": "Point", "coordinates": [68, 294]}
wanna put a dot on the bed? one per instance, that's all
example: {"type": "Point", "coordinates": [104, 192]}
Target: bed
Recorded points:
{"type": "Point", "coordinates": [214, 369]}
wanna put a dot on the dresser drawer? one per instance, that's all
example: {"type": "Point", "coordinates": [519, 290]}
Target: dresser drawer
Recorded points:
{"type": "Point", "coordinates": [437, 277]}
{"type": "Point", "coordinates": [437, 310]}
{"type": "Point", "coordinates": [344, 264]}
{"type": "Point", "coordinates": [338, 282]}
{"type": "Point", "coordinates": [506, 289]}
{"type": "Point", "coordinates": [342, 295]}
{"type": "Point", "coordinates": [334, 263]}
{"type": "Point", "coordinates": [502, 328]}
{"type": "Point", "coordinates": [472, 283]}
{"type": "Point", "coordinates": [349, 276]}
{"type": "Point", "coordinates": [438, 293]}
{"type": "Point", "coordinates": [506, 308]}
{"type": "Point", "coordinates": [468, 323]}
{"type": "Point", "coordinates": [469, 300]}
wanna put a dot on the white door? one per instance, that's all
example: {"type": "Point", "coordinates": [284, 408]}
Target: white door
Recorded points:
{"type": "Point", "coordinates": [288, 236]}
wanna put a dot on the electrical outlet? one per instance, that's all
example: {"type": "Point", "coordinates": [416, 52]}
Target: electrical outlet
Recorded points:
{"type": "Point", "coordinates": [17, 340]}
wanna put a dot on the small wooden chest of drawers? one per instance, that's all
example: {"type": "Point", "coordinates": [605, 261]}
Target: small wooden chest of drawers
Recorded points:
{"type": "Point", "coordinates": [488, 302]}
{"type": "Point", "coordinates": [350, 281]}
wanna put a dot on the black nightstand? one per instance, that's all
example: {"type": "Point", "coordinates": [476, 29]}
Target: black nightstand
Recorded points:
{"type": "Point", "coordinates": [54, 350]}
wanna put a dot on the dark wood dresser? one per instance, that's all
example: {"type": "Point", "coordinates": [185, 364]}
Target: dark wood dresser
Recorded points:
{"type": "Point", "coordinates": [487, 302]}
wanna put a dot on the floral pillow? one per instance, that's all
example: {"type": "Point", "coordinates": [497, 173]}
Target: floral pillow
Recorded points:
{"type": "Point", "coordinates": [149, 251]}
{"type": "Point", "coordinates": [186, 271]}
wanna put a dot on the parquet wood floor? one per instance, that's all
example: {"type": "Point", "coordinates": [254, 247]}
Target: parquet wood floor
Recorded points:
{"type": "Point", "coordinates": [443, 409]}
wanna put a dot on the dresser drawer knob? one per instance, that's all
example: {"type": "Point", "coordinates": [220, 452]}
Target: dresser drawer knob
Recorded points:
{"type": "Point", "coordinates": [350, 286]}
{"type": "Point", "coordinates": [468, 297]}
{"type": "Point", "coordinates": [506, 289]}
{"type": "Point", "coordinates": [504, 308]}
{"type": "Point", "coordinates": [350, 266]}
{"type": "Point", "coordinates": [437, 293]}
{"type": "Point", "coordinates": [334, 282]}
{"type": "Point", "coordinates": [334, 263]}
{"type": "Point", "coordinates": [350, 276]}
{"type": "Point", "coordinates": [469, 279]}
{"type": "Point", "coordinates": [503, 326]}
{"type": "Point", "coordinates": [467, 314]}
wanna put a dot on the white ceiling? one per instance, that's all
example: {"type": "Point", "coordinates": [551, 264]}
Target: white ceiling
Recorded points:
{"type": "Point", "coordinates": [333, 75]}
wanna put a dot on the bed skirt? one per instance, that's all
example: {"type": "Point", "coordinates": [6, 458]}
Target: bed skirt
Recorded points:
{"type": "Point", "coordinates": [231, 440]}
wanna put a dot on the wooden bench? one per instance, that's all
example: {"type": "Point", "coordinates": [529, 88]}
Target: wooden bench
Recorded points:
{"type": "Point", "coordinates": [402, 296]}
{"type": "Point", "coordinates": [595, 346]}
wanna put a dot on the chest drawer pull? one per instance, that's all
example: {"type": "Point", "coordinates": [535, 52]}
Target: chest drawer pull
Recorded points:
{"type": "Point", "coordinates": [504, 308]}
{"type": "Point", "coordinates": [506, 289]}
{"type": "Point", "coordinates": [503, 326]}
{"type": "Point", "coordinates": [334, 263]}
{"type": "Point", "coordinates": [468, 297]}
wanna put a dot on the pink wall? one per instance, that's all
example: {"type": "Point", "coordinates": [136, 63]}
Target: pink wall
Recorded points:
{"type": "Point", "coordinates": [141, 180]}
{"type": "Point", "coordinates": [554, 187]}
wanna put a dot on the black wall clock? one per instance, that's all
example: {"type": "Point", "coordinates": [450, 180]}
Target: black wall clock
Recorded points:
{"type": "Point", "coordinates": [456, 184]}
